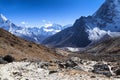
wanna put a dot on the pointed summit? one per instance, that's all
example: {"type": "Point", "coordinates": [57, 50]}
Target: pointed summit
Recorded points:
{"type": "Point", "coordinates": [109, 10]}
{"type": "Point", "coordinates": [89, 29]}
{"type": "Point", "coordinates": [3, 18]}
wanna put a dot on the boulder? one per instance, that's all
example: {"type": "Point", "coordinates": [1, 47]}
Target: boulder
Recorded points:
{"type": "Point", "coordinates": [8, 58]}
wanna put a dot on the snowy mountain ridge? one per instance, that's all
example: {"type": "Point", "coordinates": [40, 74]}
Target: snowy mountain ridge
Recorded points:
{"type": "Point", "coordinates": [35, 34]}
{"type": "Point", "coordinates": [85, 30]}
{"type": "Point", "coordinates": [96, 34]}
{"type": "Point", "coordinates": [107, 18]}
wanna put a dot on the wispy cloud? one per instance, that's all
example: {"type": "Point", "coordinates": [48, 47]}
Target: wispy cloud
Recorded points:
{"type": "Point", "coordinates": [46, 23]}
{"type": "Point", "coordinates": [43, 21]}
{"type": "Point", "coordinates": [23, 23]}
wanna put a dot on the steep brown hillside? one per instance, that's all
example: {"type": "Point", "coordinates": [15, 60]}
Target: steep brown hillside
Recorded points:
{"type": "Point", "coordinates": [108, 50]}
{"type": "Point", "coordinates": [109, 46]}
{"type": "Point", "coordinates": [22, 49]}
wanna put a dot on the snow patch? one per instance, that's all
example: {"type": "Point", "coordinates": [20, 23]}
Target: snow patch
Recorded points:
{"type": "Point", "coordinates": [48, 25]}
{"type": "Point", "coordinates": [73, 49]}
{"type": "Point", "coordinates": [48, 30]}
{"type": "Point", "coordinates": [95, 34]}
{"type": "Point", "coordinates": [114, 34]}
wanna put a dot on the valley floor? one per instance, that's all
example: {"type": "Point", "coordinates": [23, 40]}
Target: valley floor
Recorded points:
{"type": "Point", "coordinates": [26, 70]}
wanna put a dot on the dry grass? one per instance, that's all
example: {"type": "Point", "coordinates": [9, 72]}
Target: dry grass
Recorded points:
{"type": "Point", "coordinates": [108, 50]}
{"type": "Point", "coordinates": [22, 49]}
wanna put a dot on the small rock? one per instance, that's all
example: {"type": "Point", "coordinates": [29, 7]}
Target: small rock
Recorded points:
{"type": "Point", "coordinates": [93, 77]}
{"type": "Point", "coordinates": [70, 64]}
{"type": "Point", "coordinates": [5, 79]}
{"type": "Point", "coordinates": [117, 72]}
{"type": "Point", "coordinates": [61, 65]}
{"type": "Point", "coordinates": [2, 61]}
{"type": "Point", "coordinates": [51, 72]}
{"type": "Point", "coordinates": [17, 73]}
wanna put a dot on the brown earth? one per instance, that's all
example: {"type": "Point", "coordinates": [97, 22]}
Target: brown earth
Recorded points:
{"type": "Point", "coordinates": [21, 49]}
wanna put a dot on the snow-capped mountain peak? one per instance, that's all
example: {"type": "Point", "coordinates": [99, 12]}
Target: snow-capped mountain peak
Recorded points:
{"type": "Point", "coordinates": [107, 17]}
{"type": "Point", "coordinates": [36, 34]}
{"type": "Point", "coordinates": [109, 9]}
{"type": "Point", "coordinates": [47, 25]}
{"type": "Point", "coordinates": [105, 21]}
{"type": "Point", "coordinates": [2, 17]}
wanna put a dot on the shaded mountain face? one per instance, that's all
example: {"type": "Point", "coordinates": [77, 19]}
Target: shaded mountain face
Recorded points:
{"type": "Point", "coordinates": [72, 37]}
{"type": "Point", "coordinates": [108, 15]}
{"type": "Point", "coordinates": [35, 34]}
{"type": "Point", "coordinates": [105, 21]}
{"type": "Point", "coordinates": [107, 50]}
{"type": "Point", "coordinates": [21, 49]}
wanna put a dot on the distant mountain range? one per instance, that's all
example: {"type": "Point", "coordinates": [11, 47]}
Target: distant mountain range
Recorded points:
{"type": "Point", "coordinates": [36, 34]}
{"type": "Point", "coordinates": [105, 21]}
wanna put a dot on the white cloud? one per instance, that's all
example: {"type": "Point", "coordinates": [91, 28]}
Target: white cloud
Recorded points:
{"type": "Point", "coordinates": [44, 21]}
{"type": "Point", "coordinates": [23, 23]}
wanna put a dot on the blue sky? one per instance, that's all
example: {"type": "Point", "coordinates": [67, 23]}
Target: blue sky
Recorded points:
{"type": "Point", "coordinates": [38, 12]}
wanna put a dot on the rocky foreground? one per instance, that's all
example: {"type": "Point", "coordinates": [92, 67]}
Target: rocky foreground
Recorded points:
{"type": "Point", "coordinates": [72, 69]}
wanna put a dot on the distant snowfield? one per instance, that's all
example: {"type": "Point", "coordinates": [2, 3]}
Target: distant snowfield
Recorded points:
{"type": "Point", "coordinates": [73, 49]}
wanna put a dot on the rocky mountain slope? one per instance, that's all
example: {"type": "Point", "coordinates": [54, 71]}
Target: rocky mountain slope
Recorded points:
{"type": "Point", "coordinates": [87, 29]}
{"type": "Point", "coordinates": [109, 46]}
{"type": "Point", "coordinates": [21, 49]}
{"type": "Point", "coordinates": [106, 50]}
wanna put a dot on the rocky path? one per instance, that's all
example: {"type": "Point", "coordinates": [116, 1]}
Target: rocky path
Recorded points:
{"type": "Point", "coordinates": [41, 71]}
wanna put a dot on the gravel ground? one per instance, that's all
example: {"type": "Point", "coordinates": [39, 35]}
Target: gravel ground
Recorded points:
{"type": "Point", "coordinates": [33, 71]}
